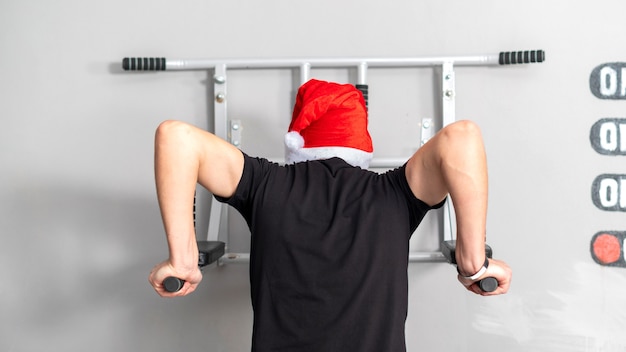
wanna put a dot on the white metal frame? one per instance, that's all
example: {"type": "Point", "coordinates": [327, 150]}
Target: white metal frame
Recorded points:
{"type": "Point", "coordinates": [448, 95]}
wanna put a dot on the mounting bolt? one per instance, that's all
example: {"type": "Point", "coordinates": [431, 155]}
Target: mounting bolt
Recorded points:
{"type": "Point", "coordinates": [220, 97]}
{"type": "Point", "coordinates": [449, 93]}
{"type": "Point", "coordinates": [219, 79]}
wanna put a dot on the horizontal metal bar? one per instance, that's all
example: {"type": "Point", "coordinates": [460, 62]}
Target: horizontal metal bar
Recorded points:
{"type": "Point", "coordinates": [426, 257]}
{"type": "Point", "coordinates": [502, 58]}
{"type": "Point", "coordinates": [202, 64]}
{"type": "Point", "coordinates": [387, 163]}
{"type": "Point", "coordinates": [415, 257]}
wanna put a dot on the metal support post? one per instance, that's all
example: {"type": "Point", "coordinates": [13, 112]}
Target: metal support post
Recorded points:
{"type": "Point", "coordinates": [305, 72]}
{"type": "Point", "coordinates": [448, 116]}
{"type": "Point", "coordinates": [220, 130]}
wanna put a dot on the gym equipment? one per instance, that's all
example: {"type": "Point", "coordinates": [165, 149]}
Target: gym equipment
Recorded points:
{"type": "Point", "coordinates": [230, 129]}
{"type": "Point", "coordinates": [448, 249]}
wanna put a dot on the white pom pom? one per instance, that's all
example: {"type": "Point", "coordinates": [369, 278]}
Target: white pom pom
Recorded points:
{"type": "Point", "coordinates": [294, 141]}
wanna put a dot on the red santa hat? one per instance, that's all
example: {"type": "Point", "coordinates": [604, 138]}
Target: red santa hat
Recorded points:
{"type": "Point", "coordinates": [329, 120]}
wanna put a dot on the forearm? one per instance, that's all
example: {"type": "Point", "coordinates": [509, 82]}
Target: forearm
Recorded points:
{"type": "Point", "coordinates": [180, 232]}
{"type": "Point", "coordinates": [470, 253]}
{"type": "Point", "coordinates": [471, 209]}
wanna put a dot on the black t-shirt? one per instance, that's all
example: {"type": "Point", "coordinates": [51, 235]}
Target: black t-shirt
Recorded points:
{"type": "Point", "coordinates": [329, 255]}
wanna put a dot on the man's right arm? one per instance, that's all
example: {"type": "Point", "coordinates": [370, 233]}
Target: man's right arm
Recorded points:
{"type": "Point", "coordinates": [185, 156]}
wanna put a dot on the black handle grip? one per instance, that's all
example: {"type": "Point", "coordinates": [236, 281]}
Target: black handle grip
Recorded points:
{"type": "Point", "coordinates": [173, 284]}
{"type": "Point", "coordinates": [144, 63]}
{"type": "Point", "coordinates": [488, 284]}
{"type": "Point", "coordinates": [521, 57]}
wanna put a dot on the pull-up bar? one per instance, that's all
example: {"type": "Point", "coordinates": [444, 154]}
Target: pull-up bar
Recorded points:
{"type": "Point", "coordinates": [305, 64]}
{"type": "Point", "coordinates": [503, 58]}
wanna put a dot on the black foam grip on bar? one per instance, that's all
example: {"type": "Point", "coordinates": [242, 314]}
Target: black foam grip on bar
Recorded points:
{"type": "Point", "coordinates": [364, 88]}
{"type": "Point", "coordinates": [173, 284]}
{"type": "Point", "coordinates": [144, 64]}
{"type": "Point", "coordinates": [488, 284]}
{"type": "Point", "coordinates": [521, 57]}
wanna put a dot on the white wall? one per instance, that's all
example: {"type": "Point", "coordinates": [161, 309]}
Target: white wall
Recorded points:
{"type": "Point", "coordinates": [78, 216]}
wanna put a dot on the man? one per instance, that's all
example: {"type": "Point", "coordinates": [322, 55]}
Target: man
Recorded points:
{"type": "Point", "coordinates": [329, 239]}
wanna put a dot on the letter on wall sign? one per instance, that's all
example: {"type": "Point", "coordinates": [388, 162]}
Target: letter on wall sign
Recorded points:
{"type": "Point", "coordinates": [608, 192]}
{"type": "Point", "coordinates": [608, 80]}
{"type": "Point", "coordinates": [608, 136]}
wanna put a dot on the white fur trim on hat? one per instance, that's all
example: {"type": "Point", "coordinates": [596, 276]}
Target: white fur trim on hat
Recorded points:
{"type": "Point", "coordinates": [294, 152]}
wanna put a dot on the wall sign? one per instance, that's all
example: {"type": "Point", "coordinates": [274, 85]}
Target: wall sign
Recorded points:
{"type": "Point", "coordinates": [608, 80]}
{"type": "Point", "coordinates": [608, 138]}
